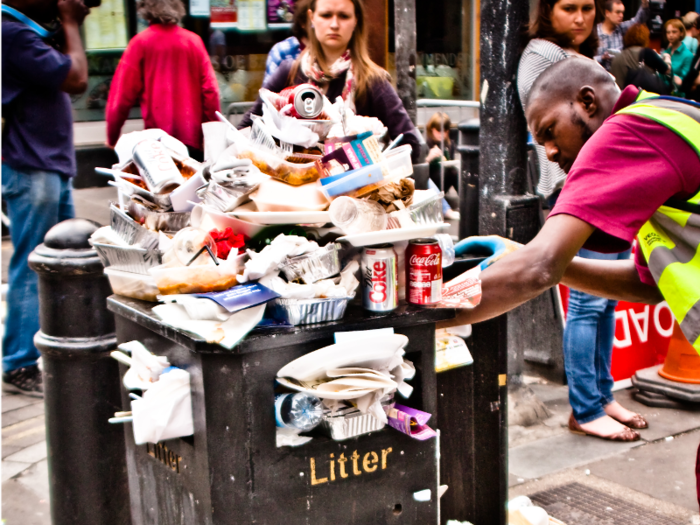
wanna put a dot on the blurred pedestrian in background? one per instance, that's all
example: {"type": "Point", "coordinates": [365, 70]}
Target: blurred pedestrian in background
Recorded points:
{"type": "Point", "coordinates": [337, 61]}
{"type": "Point", "coordinates": [290, 48]}
{"type": "Point", "coordinates": [637, 64]}
{"type": "Point", "coordinates": [168, 69]}
{"type": "Point", "coordinates": [676, 55]}
{"type": "Point", "coordinates": [437, 137]}
{"type": "Point", "coordinates": [42, 63]}
{"type": "Point", "coordinates": [563, 29]}
{"type": "Point", "coordinates": [691, 82]}
{"type": "Point", "coordinates": [612, 30]}
{"type": "Point", "coordinates": [691, 32]}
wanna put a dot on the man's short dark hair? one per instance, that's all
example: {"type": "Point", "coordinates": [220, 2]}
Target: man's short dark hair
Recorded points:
{"type": "Point", "coordinates": [610, 3]}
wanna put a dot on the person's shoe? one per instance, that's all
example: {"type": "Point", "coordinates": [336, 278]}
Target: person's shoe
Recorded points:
{"type": "Point", "coordinates": [636, 422]}
{"type": "Point", "coordinates": [26, 380]}
{"type": "Point", "coordinates": [452, 215]}
{"type": "Point", "coordinates": [625, 435]}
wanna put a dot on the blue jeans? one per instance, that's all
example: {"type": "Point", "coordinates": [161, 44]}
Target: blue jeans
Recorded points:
{"type": "Point", "coordinates": [588, 343]}
{"type": "Point", "coordinates": [36, 201]}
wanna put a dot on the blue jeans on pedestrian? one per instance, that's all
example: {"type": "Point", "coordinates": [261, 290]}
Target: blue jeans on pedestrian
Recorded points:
{"type": "Point", "coordinates": [36, 200]}
{"type": "Point", "coordinates": [588, 343]}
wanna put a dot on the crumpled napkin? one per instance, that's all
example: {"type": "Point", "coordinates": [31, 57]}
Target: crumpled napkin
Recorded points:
{"type": "Point", "coordinates": [289, 437]}
{"type": "Point", "coordinates": [272, 256]}
{"type": "Point", "coordinates": [343, 286]}
{"type": "Point", "coordinates": [226, 333]}
{"type": "Point", "coordinates": [165, 410]}
{"type": "Point", "coordinates": [106, 235]}
{"type": "Point", "coordinates": [146, 367]}
{"type": "Point", "coordinates": [124, 147]}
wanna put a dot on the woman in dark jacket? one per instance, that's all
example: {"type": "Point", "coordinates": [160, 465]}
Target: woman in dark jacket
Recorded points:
{"type": "Point", "coordinates": [338, 63]}
{"type": "Point", "coordinates": [636, 64]}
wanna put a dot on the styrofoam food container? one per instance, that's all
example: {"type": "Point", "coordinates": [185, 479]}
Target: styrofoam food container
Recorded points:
{"type": "Point", "coordinates": [202, 214]}
{"type": "Point", "coordinates": [273, 195]}
{"type": "Point", "coordinates": [134, 285]}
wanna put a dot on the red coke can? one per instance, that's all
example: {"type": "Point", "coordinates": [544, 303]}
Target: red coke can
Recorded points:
{"type": "Point", "coordinates": [423, 272]}
{"type": "Point", "coordinates": [380, 286]}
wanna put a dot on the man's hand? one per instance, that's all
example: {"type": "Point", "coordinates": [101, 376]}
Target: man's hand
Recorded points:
{"type": "Point", "coordinates": [678, 80]}
{"type": "Point", "coordinates": [72, 11]}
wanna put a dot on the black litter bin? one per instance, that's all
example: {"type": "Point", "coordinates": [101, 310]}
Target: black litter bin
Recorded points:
{"type": "Point", "coordinates": [231, 472]}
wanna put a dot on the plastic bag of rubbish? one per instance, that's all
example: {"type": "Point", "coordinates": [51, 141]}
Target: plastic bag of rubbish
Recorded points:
{"type": "Point", "coordinates": [165, 410]}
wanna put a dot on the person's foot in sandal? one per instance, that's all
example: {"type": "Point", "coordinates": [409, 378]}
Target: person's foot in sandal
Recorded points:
{"type": "Point", "coordinates": [605, 428]}
{"type": "Point", "coordinates": [628, 418]}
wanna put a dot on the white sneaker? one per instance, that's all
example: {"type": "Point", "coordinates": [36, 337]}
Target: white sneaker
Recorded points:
{"type": "Point", "coordinates": [452, 215]}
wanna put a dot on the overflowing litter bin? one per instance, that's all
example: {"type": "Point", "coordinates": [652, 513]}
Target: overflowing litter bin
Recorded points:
{"type": "Point", "coordinates": [231, 471]}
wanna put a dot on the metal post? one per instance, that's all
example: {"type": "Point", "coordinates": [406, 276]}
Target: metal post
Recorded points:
{"type": "Point", "coordinates": [86, 455]}
{"type": "Point", "coordinates": [405, 44]}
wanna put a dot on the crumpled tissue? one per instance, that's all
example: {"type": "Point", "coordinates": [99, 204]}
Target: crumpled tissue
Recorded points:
{"type": "Point", "coordinates": [343, 286]}
{"type": "Point", "coordinates": [289, 437]}
{"type": "Point", "coordinates": [106, 235]}
{"type": "Point", "coordinates": [146, 367]}
{"type": "Point", "coordinates": [272, 256]}
{"type": "Point", "coordinates": [165, 410]}
{"type": "Point", "coordinates": [226, 333]}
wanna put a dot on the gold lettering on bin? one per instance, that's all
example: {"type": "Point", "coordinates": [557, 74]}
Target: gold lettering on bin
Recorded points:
{"type": "Point", "coordinates": [167, 457]}
{"type": "Point", "coordinates": [327, 468]}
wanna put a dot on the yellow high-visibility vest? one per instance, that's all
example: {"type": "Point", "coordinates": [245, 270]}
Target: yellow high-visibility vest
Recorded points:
{"type": "Point", "coordinates": [670, 239]}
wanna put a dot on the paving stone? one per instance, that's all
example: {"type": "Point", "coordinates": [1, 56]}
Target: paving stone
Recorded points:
{"type": "Point", "coordinates": [25, 433]}
{"type": "Point", "coordinates": [31, 454]}
{"type": "Point", "coordinates": [568, 450]}
{"type": "Point", "coordinates": [12, 468]}
{"type": "Point", "coordinates": [9, 450]}
{"type": "Point", "coordinates": [36, 478]}
{"type": "Point", "coordinates": [663, 422]}
{"type": "Point", "coordinates": [664, 470]}
{"type": "Point", "coordinates": [92, 203]}
{"type": "Point", "coordinates": [22, 414]}
{"type": "Point", "coordinates": [514, 480]}
{"type": "Point", "coordinates": [14, 401]}
{"type": "Point", "coordinates": [22, 506]}
{"type": "Point", "coordinates": [549, 393]}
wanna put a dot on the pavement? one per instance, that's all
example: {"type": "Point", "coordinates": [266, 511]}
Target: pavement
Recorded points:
{"type": "Point", "coordinates": [577, 479]}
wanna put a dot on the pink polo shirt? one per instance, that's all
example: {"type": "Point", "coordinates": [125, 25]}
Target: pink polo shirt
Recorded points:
{"type": "Point", "coordinates": [626, 170]}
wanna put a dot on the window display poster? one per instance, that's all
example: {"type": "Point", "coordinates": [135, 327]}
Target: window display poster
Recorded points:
{"type": "Point", "coordinates": [199, 8]}
{"type": "Point", "coordinates": [105, 27]}
{"type": "Point", "coordinates": [251, 15]}
{"type": "Point", "coordinates": [224, 13]}
{"type": "Point", "coordinates": [280, 11]}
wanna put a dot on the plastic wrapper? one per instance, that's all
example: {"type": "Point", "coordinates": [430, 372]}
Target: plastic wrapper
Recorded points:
{"type": "Point", "coordinates": [410, 421]}
{"type": "Point", "coordinates": [464, 291]}
{"type": "Point", "coordinates": [396, 166]}
{"type": "Point", "coordinates": [194, 279]}
{"type": "Point", "coordinates": [314, 266]}
{"type": "Point", "coordinates": [280, 169]}
{"type": "Point", "coordinates": [428, 211]}
{"type": "Point", "coordinates": [136, 286]}
{"type": "Point", "coordinates": [307, 311]}
{"type": "Point", "coordinates": [127, 258]}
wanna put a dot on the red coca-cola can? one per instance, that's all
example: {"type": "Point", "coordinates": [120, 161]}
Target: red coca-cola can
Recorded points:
{"type": "Point", "coordinates": [380, 286]}
{"type": "Point", "coordinates": [423, 272]}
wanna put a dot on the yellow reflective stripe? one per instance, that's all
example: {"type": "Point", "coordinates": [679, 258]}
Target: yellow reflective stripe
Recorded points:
{"type": "Point", "coordinates": [683, 125]}
{"type": "Point", "coordinates": [680, 286]}
{"type": "Point", "coordinates": [645, 94]}
{"type": "Point", "coordinates": [650, 237]}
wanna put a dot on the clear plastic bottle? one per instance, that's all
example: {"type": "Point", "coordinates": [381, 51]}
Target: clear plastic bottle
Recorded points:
{"type": "Point", "coordinates": [357, 215]}
{"type": "Point", "coordinates": [448, 248]}
{"type": "Point", "coordinates": [302, 411]}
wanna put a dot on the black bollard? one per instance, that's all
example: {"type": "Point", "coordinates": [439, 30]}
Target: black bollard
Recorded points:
{"type": "Point", "coordinates": [86, 455]}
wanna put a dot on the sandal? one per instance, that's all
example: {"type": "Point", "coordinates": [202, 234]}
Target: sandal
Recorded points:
{"type": "Point", "coordinates": [625, 435]}
{"type": "Point", "coordinates": [636, 422]}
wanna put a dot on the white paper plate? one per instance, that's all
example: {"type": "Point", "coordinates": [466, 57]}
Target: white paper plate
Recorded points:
{"type": "Point", "coordinates": [367, 353]}
{"type": "Point", "coordinates": [324, 395]}
{"type": "Point", "coordinates": [395, 235]}
{"type": "Point", "coordinates": [282, 217]}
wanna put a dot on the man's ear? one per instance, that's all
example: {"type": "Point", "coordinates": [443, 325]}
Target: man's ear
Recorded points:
{"type": "Point", "coordinates": [588, 100]}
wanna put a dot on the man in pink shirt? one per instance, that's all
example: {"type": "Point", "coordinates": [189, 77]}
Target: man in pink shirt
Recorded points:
{"type": "Point", "coordinates": [168, 68]}
{"type": "Point", "coordinates": [621, 169]}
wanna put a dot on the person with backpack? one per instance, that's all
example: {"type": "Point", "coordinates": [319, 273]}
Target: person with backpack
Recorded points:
{"type": "Point", "coordinates": [43, 63]}
{"type": "Point", "coordinates": [637, 64]}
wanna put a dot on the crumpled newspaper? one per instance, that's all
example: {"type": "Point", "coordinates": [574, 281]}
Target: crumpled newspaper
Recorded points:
{"type": "Point", "coordinates": [387, 194]}
{"type": "Point", "coordinates": [272, 256]}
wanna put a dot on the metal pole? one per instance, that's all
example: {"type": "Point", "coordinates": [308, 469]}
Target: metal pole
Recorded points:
{"type": "Point", "coordinates": [405, 44]}
{"type": "Point", "coordinates": [88, 481]}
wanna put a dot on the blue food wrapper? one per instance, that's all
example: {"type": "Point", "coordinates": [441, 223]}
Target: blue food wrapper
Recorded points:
{"type": "Point", "coordinates": [241, 297]}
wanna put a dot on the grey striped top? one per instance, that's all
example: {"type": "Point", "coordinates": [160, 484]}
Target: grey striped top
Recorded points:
{"type": "Point", "coordinates": [538, 56]}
